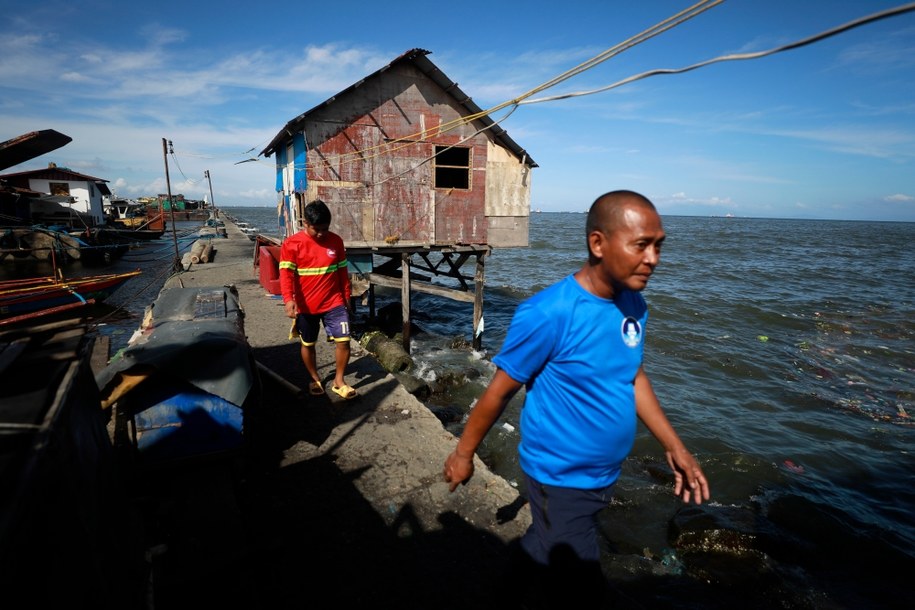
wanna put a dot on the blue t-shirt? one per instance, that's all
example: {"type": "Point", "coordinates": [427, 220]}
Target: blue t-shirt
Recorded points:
{"type": "Point", "coordinates": [578, 355]}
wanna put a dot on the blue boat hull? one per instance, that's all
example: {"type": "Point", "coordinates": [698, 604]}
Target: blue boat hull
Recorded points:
{"type": "Point", "coordinates": [183, 424]}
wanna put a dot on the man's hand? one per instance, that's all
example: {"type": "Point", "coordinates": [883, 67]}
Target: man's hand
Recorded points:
{"type": "Point", "coordinates": [290, 309]}
{"type": "Point", "coordinates": [458, 469]}
{"type": "Point", "coordinates": [689, 480]}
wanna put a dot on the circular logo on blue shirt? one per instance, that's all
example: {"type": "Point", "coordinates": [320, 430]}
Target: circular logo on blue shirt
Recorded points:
{"type": "Point", "coordinates": [632, 332]}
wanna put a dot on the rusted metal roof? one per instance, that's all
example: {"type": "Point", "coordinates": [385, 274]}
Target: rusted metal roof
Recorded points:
{"type": "Point", "coordinates": [418, 58]}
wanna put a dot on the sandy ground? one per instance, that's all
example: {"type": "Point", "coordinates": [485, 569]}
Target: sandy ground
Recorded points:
{"type": "Point", "coordinates": [339, 500]}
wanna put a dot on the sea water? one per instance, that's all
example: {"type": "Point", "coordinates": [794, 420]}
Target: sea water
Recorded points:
{"type": "Point", "coordinates": [783, 351]}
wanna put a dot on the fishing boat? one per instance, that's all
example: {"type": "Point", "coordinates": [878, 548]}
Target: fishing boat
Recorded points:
{"type": "Point", "coordinates": [101, 245]}
{"type": "Point", "coordinates": [56, 468]}
{"type": "Point", "coordinates": [26, 299]}
{"type": "Point", "coordinates": [187, 385]}
{"type": "Point", "coordinates": [139, 234]}
{"type": "Point", "coordinates": [30, 145]}
{"type": "Point", "coordinates": [146, 226]}
{"type": "Point", "coordinates": [125, 213]}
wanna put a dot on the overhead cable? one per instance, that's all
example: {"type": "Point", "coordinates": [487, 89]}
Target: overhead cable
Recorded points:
{"type": "Point", "coordinates": [639, 38]}
{"type": "Point", "coordinates": [736, 56]}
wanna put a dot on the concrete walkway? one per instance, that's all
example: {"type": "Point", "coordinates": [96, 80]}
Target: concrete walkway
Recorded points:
{"type": "Point", "coordinates": [340, 500]}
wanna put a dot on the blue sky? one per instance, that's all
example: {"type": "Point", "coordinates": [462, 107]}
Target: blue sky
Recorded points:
{"type": "Point", "coordinates": [823, 131]}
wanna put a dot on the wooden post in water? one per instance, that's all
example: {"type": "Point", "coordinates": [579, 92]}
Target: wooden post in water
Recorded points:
{"type": "Point", "coordinates": [478, 324]}
{"type": "Point", "coordinates": [405, 299]}
{"type": "Point", "coordinates": [386, 274]}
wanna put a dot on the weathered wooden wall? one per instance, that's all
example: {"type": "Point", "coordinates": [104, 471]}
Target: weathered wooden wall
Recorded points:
{"type": "Point", "coordinates": [508, 199]}
{"type": "Point", "coordinates": [370, 158]}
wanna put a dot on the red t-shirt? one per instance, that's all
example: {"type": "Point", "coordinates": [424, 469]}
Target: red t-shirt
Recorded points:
{"type": "Point", "coordinates": [314, 274]}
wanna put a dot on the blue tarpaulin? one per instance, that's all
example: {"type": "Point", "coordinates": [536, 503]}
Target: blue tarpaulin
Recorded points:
{"type": "Point", "coordinates": [300, 182]}
{"type": "Point", "coordinates": [280, 166]}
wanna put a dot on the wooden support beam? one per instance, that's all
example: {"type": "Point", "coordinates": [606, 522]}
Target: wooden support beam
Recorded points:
{"type": "Point", "coordinates": [371, 300]}
{"type": "Point", "coordinates": [398, 271]}
{"type": "Point", "coordinates": [405, 299]}
{"type": "Point", "coordinates": [441, 291]}
{"type": "Point", "coordinates": [477, 340]}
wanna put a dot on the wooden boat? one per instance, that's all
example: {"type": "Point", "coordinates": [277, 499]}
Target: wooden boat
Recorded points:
{"type": "Point", "coordinates": [30, 145]}
{"type": "Point", "coordinates": [30, 298]}
{"type": "Point", "coordinates": [125, 213]}
{"type": "Point", "coordinates": [56, 469]}
{"type": "Point", "coordinates": [187, 385]}
{"type": "Point", "coordinates": [101, 245]}
{"type": "Point", "coordinates": [136, 234]}
{"type": "Point", "coordinates": [146, 226]}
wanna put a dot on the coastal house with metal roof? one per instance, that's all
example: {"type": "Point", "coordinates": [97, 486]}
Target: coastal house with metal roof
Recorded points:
{"type": "Point", "coordinates": [405, 156]}
{"type": "Point", "coordinates": [66, 194]}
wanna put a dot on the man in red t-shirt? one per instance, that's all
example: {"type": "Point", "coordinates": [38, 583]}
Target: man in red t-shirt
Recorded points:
{"type": "Point", "coordinates": [315, 284]}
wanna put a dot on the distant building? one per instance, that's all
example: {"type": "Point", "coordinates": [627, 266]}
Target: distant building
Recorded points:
{"type": "Point", "coordinates": [66, 194]}
{"type": "Point", "coordinates": [162, 200]}
{"type": "Point", "coordinates": [405, 157]}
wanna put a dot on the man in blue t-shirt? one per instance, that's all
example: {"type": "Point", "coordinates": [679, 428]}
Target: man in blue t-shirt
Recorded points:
{"type": "Point", "coordinates": [577, 348]}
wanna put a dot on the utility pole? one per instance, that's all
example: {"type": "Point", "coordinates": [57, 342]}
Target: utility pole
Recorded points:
{"type": "Point", "coordinates": [207, 174]}
{"type": "Point", "coordinates": [171, 204]}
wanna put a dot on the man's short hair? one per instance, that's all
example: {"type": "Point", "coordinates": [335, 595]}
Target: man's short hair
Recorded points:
{"type": "Point", "coordinates": [606, 211]}
{"type": "Point", "coordinates": [317, 213]}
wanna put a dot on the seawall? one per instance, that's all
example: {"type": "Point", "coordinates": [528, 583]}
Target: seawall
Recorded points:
{"type": "Point", "coordinates": [341, 499]}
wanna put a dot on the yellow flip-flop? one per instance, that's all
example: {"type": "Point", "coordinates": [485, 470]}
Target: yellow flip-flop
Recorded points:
{"type": "Point", "coordinates": [315, 388]}
{"type": "Point", "coordinates": [345, 392]}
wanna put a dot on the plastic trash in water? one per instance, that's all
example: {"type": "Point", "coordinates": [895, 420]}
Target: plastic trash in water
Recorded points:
{"type": "Point", "coordinates": [670, 561]}
{"type": "Point", "coordinates": [793, 467]}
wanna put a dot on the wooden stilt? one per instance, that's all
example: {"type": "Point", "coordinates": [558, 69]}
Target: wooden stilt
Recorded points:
{"type": "Point", "coordinates": [372, 302]}
{"type": "Point", "coordinates": [405, 299]}
{"type": "Point", "coordinates": [478, 303]}
{"type": "Point", "coordinates": [399, 271]}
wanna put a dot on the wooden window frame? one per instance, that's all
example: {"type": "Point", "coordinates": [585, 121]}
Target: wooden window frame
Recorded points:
{"type": "Point", "coordinates": [59, 188]}
{"type": "Point", "coordinates": [449, 170]}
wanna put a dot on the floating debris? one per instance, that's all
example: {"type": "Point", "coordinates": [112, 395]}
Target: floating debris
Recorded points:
{"type": "Point", "coordinates": [793, 467]}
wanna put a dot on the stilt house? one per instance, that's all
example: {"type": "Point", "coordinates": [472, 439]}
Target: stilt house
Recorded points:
{"type": "Point", "coordinates": [412, 170]}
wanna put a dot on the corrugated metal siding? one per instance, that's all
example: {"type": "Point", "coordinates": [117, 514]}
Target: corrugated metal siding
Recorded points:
{"type": "Point", "coordinates": [387, 154]}
{"type": "Point", "coordinates": [370, 158]}
{"type": "Point", "coordinates": [403, 199]}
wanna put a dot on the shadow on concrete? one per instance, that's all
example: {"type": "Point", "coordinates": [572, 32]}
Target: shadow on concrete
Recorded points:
{"type": "Point", "coordinates": [257, 533]}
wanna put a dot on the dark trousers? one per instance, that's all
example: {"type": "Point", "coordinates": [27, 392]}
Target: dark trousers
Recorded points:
{"type": "Point", "coordinates": [560, 558]}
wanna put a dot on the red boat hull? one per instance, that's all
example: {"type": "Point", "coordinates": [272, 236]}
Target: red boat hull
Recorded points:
{"type": "Point", "coordinates": [46, 294]}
